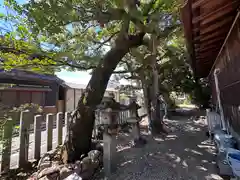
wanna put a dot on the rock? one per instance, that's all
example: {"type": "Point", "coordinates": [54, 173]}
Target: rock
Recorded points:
{"type": "Point", "coordinates": [65, 172]}
{"type": "Point", "coordinates": [33, 176]}
{"type": "Point", "coordinates": [55, 163]}
{"type": "Point", "coordinates": [77, 167]}
{"type": "Point", "coordinates": [89, 166]}
{"type": "Point", "coordinates": [46, 158]}
{"type": "Point", "coordinates": [95, 164]}
{"type": "Point", "coordinates": [49, 171]}
{"type": "Point", "coordinates": [94, 155]}
{"type": "Point", "coordinates": [86, 163]}
{"type": "Point", "coordinates": [44, 165]}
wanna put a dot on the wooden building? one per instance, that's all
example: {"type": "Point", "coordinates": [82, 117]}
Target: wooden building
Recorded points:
{"type": "Point", "coordinates": [212, 31]}
{"type": "Point", "coordinates": [20, 87]}
{"type": "Point", "coordinates": [74, 92]}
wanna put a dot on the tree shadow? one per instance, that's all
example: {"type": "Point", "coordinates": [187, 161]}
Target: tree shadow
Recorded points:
{"type": "Point", "coordinates": [185, 153]}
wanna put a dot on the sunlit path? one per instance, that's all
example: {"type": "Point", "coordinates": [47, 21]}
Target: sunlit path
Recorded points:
{"type": "Point", "coordinates": [185, 154]}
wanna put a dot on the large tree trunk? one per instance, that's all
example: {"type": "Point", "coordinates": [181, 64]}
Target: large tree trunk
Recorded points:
{"type": "Point", "coordinates": [155, 91]}
{"type": "Point", "coordinates": [146, 97]}
{"type": "Point", "coordinates": [79, 137]}
{"type": "Point", "coordinates": [156, 117]}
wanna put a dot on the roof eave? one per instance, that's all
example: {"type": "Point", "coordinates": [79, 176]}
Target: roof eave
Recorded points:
{"type": "Point", "coordinates": [186, 17]}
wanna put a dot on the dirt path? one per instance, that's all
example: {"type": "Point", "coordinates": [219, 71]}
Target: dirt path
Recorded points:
{"type": "Point", "coordinates": [185, 154]}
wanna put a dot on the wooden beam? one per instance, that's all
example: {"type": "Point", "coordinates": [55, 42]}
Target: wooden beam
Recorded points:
{"type": "Point", "coordinates": [225, 41]}
{"type": "Point", "coordinates": [204, 29]}
{"type": "Point", "coordinates": [196, 46]}
{"type": "Point", "coordinates": [195, 30]}
{"type": "Point", "coordinates": [216, 25]}
{"type": "Point", "coordinates": [216, 14]}
{"type": "Point", "coordinates": [197, 19]}
{"type": "Point", "coordinates": [221, 13]}
{"type": "Point", "coordinates": [204, 61]}
{"type": "Point", "coordinates": [209, 43]}
{"type": "Point", "coordinates": [202, 38]}
{"type": "Point", "coordinates": [207, 49]}
{"type": "Point", "coordinates": [207, 54]}
{"type": "Point", "coordinates": [198, 3]}
{"type": "Point", "coordinates": [213, 35]}
{"type": "Point", "coordinates": [196, 38]}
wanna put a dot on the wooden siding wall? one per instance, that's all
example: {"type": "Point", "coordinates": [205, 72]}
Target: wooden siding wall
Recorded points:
{"type": "Point", "coordinates": [52, 96]}
{"type": "Point", "coordinates": [73, 95]}
{"type": "Point", "coordinates": [16, 98]}
{"type": "Point", "coordinates": [229, 78]}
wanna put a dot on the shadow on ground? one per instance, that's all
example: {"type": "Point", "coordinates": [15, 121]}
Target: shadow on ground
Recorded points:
{"type": "Point", "coordinates": [185, 154]}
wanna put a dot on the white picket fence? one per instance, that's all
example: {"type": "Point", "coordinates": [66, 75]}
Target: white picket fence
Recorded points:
{"type": "Point", "coordinates": [37, 135]}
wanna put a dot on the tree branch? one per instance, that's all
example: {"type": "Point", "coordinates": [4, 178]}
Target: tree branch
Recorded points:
{"type": "Point", "coordinates": [120, 72]}
{"type": "Point", "coordinates": [77, 66]}
{"type": "Point", "coordinates": [104, 42]}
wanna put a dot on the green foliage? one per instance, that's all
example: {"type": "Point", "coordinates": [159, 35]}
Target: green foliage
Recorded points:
{"type": "Point", "coordinates": [201, 93]}
{"type": "Point", "coordinates": [34, 108]}
{"type": "Point", "coordinates": [76, 34]}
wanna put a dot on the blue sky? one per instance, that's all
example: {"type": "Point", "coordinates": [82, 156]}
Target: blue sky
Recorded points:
{"type": "Point", "coordinates": [74, 77]}
{"type": "Point", "coordinates": [80, 77]}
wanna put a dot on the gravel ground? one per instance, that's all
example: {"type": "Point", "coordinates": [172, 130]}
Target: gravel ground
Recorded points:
{"type": "Point", "coordinates": [185, 154]}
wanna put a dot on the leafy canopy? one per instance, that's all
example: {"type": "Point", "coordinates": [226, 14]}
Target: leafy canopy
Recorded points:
{"type": "Point", "coordinates": [76, 34]}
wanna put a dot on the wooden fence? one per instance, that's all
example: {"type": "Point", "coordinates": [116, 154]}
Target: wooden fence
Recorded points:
{"type": "Point", "coordinates": [30, 123]}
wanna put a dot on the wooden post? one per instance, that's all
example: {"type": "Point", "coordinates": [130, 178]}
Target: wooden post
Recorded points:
{"type": "Point", "coordinates": [60, 127]}
{"type": "Point", "coordinates": [37, 136]}
{"type": "Point", "coordinates": [49, 121]}
{"type": "Point", "coordinates": [7, 141]}
{"type": "Point", "coordinates": [26, 118]}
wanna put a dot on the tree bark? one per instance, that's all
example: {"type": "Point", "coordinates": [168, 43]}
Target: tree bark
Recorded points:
{"type": "Point", "coordinates": [156, 117]}
{"type": "Point", "coordinates": [78, 141]}
{"type": "Point", "coordinates": [146, 97]}
{"type": "Point", "coordinates": [155, 90]}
